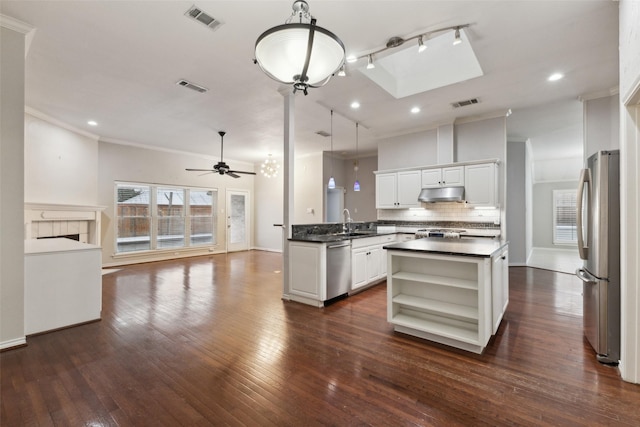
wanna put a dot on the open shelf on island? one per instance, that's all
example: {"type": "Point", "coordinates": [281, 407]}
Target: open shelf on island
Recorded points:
{"type": "Point", "coordinates": [437, 328]}
{"type": "Point", "coordinates": [436, 280]}
{"type": "Point", "coordinates": [447, 309]}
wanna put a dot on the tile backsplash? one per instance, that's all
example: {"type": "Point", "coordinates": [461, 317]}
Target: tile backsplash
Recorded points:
{"type": "Point", "coordinates": [443, 211]}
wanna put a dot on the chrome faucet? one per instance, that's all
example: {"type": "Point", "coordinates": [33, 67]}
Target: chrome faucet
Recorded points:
{"type": "Point", "coordinates": [347, 220]}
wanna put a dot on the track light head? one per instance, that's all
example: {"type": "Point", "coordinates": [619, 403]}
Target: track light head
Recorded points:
{"type": "Point", "coordinates": [421, 46]}
{"type": "Point", "coordinates": [457, 40]}
{"type": "Point", "coordinates": [370, 64]}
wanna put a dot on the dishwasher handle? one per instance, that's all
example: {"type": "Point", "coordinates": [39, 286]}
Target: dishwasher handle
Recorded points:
{"type": "Point", "coordinates": [338, 245]}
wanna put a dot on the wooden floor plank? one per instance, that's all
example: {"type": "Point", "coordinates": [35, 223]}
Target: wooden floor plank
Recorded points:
{"type": "Point", "coordinates": [209, 341]}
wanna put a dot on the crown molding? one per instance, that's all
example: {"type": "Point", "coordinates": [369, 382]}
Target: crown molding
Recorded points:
{"type": "Point", "coordinates": [599, 94]}
{"type": "Point", "coordinates": [39, 115]}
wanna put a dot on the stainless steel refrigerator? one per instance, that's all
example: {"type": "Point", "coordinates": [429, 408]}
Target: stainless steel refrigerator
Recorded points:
{"type": "Point", "coordinates": [598, 233]}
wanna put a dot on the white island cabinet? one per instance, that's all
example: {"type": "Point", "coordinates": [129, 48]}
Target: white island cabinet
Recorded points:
{"type": "Point", "coordinates": [443, 291]}
{"type": "Point", "coordinates": [62, 284]}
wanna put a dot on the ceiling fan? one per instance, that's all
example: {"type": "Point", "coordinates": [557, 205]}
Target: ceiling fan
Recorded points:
{"type": "Point", "coordinates": [221, 167]}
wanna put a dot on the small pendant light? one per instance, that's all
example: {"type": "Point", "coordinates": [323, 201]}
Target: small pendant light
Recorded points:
{"type": "Point", "coordinates": [332, 182]}
{"type": "Point", "coordinates": [356, 185]}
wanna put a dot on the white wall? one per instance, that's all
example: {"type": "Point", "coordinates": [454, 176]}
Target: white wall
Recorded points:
{"type": "Point", "coordinates": [516, 202]}
{"type": "Point", "coordinates": [62, 164]}
{"type": "Point", "coordinates": [543, 212]}
{"type": "Point", "coordinates": [417, 149]}
{"type": "Point", "coordinates": [12, 64]}
{"type": "Point", "coordinates": [630, 188]}
{"type": "Point", "coordinates": [361, 204]}
{"type": "Point", "coordinates": [268, 211]}
{"type": "Point", "coordinates": [309, 188]}
{"type": "Point", "coordinates": [147, 165]}
{"type": "Point", "coordinates": [601, 124]}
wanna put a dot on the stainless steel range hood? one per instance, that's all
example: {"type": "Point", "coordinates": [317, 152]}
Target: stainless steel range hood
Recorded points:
{"type": "Point", "coordinates": [442, 194]}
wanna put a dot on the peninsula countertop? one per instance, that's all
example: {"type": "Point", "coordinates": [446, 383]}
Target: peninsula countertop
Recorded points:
{"type": "Point", "coordinates": [477, 247]}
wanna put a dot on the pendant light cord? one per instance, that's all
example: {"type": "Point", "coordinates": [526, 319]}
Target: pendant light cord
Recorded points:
{"type": "Point", "coordinates": [332, 143]}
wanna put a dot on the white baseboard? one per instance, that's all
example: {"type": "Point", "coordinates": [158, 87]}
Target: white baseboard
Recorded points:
{"type": "Point", "coordinates": [255, 248]}
{"type": "Point", "coordinates": [18, 342]}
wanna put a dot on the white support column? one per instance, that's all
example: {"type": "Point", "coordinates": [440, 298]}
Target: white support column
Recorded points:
{"type": "Point", "coordinates": [288, 174]}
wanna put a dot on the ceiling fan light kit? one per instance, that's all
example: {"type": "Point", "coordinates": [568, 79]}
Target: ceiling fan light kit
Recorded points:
{"type": "Point", "coordinates": [221, 167]}
{"type": "Point", "coordinates": [301, 53]}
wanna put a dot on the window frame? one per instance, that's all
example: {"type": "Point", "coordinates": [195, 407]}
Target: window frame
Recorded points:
{"type": "Point", "coordinates": [154, 218]}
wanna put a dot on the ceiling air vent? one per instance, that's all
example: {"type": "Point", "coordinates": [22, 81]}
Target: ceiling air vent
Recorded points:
{"type": "Point", "coordinates": [465, 103]}
{"type": "Point", "coordinates": [191, 86]}
{"type": "Point", "coordinates": [202, 17]}
{"type": "Point", "coordinates": [323, 133]}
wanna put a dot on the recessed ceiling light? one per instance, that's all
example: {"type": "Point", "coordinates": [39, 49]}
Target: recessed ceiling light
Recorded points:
{"type": "Point", "coordinates": [415, 110]}
{"type": "Point", "coordinates": [555, 77]}
{"type": "Point", "coordinates": [355, 104]}
{"type": "Point", "coordinates": [92, 123]}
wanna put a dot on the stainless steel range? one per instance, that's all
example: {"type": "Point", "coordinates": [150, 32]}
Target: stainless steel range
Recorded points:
{"type": "Point", "coordinates": [447, 233]}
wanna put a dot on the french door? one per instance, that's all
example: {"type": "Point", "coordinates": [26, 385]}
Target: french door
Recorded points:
{"type": "Point", "coordinates": [238, 220]}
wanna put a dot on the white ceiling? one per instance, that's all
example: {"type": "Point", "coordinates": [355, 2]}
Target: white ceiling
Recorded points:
{"type": "Point", "coordinates": [117, 62]}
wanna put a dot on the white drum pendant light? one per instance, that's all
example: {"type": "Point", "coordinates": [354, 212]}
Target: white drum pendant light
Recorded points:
{"type": "Point", "coordinates": [301, 54]}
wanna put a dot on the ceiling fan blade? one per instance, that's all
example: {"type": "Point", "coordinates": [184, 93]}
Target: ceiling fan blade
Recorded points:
{"type": "Point", "coordinates": [244, 172]}
{"type": "Point", "coordinates": [233, 175]}
{"type": "Point", "coordinates": [199, 170]}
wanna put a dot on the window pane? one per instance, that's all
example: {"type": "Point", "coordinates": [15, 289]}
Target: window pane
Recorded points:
{"type": "Point", "coordinates": [201, 205]}
{"type": "Point", "coordinates": [170, 231]}
{"type": "Point", "coordinates": [237, 223]}
{"type": "Point", "coordinates": [564, 217]}
{"type": "Point", "coordinates": [134, 218]}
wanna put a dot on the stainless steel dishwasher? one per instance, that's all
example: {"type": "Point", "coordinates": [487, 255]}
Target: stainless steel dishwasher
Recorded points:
{"type": "Point", "coordinates": [338, 268]}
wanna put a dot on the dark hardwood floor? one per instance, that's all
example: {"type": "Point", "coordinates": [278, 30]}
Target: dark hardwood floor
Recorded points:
{"type": "Point", "coordinates": [208, 341]}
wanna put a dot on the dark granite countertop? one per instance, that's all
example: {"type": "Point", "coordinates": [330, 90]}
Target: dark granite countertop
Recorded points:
{"type": "Point", "coordinates": [477, 247]}
{"type": "Point", "coordinates": [336, 237]}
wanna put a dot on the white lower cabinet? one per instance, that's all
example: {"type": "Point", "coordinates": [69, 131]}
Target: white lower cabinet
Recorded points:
{"type": "Point", "coordinates": [307, 275]}
{"type": "Point", "coordinates": [500, 286]}
{"type": "Point", "coordinates": [445, 298]}
{"type": "Point", "coordinates": [368, 260]}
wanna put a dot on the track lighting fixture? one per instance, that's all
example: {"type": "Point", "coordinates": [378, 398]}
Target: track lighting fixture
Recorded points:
{"type": "Point", "coordinates": [342, 71]}
{"type": "Point", "coordinates": [399, 41]}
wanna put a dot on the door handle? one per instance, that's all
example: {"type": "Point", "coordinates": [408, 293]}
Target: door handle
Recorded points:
{"type": "Point", "coordinates": [585, 178]}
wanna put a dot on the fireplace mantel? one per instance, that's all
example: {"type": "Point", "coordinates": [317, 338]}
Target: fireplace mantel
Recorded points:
{"type": "Point", "coordinates": [62, 218]}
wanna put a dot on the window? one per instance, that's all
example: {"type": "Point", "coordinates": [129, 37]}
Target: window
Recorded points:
{"type": "Point", "coordinates": [202, 208]}
{"type": "Point", "coordinates": [564, 217]}
{"type": "Point", "coordinates": [133, 205]}
{"type": "Point", "coordinates": [162, 217]}
{"type": "Point", "coordinates": [170, 223]}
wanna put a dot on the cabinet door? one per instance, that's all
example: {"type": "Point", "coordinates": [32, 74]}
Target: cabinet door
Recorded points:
{"type": "Point", "coordinates": [373, 263]}
{"type": "Point", "coordinates": [409, 186]}
{"type": "Point", "coordinates": [480, 184]}
{"type": "Point", "coordinates": [496, 292]}
{"type": "Point", "coordinates": [505, 280]}
{"type": "Point", "coordinates": [359, 268]}
{"type": "Point", "coordinates": [431, 178]}
{"type": "Point", "coordinates": [386, 186]}
{"type": "Point", "coordinates": [382, 262]}
{"type": "Point", "coordinates": [453, 176]}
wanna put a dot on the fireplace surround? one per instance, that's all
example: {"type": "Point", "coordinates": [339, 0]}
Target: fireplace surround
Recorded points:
{"type": "Point", "coordinates": [52, 220]}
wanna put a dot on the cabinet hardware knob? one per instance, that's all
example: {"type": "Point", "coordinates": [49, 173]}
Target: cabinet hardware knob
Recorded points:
{"type": "Point", "coordinates": [504, 257]}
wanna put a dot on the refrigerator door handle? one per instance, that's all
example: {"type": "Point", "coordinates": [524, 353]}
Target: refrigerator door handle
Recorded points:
{"type": "Point", "coordinates": [585, 276]}
{"type": "Point", "coordinates": [585, 177]}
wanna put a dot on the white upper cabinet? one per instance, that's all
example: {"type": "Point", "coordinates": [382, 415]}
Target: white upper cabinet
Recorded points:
{"type": "Point", "coordinates": [480, 184]}
{"type": "Point", "coordinates": [443, 177]}
{"type": "Point", "coordinates": [397, 190]}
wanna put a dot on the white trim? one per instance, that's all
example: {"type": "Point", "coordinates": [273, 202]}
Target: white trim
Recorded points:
{"type": "Point", "coordinates": [257, 248]}
{"type": "Point", "coordinates": [16, 342]}
{"type": "Point", "coordinates": [15, 24]}
{"type": "Point", "coordinates": [38, 115]}
{"type": "Point", "coordinates": [599, 94]}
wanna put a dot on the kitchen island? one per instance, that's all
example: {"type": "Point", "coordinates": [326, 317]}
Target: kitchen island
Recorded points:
{"type": "Point", "coordinates": [453, 292]}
